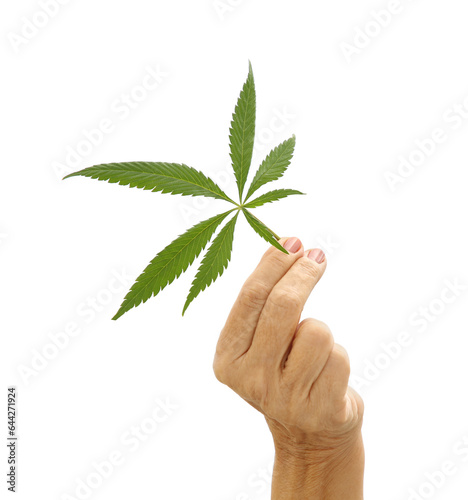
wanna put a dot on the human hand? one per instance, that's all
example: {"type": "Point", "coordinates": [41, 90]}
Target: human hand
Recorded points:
{"type": "Point", "coordinates": [295, 374]}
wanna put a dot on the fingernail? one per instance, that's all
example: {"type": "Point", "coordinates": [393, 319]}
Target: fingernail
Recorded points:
{"type": "Point", "coordinates": [292, 245]}
{"type": "Point", "coordinates": [317, 255]}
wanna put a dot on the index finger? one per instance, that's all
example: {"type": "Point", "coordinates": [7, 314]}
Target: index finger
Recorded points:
{"type": "Point", "coordinates": [282, 311]}
{"type": "Point", "coordinates": [239, 329]}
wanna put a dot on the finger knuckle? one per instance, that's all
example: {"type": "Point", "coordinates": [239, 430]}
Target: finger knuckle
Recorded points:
{"type": "Point", "coordinates": [285, 298]}
{"type": "Point", "coordinates": [317, 332]}
{"type": "Point", "coordinates": [277, 259]}
{"type": "Point", "coordinates": [337, 418]}
{"type": "Point", "coordinates": [340, 357]}
{"type": "Point", "coordinates": [309, 269]}
{"type": "Point", "coordinates": [220, 369]}
{"type": "Point", "coordinates": [253, 295]}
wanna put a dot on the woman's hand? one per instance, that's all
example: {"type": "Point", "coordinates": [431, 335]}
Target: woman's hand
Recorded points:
{"type": "Point", "coordinates": [295, 374]}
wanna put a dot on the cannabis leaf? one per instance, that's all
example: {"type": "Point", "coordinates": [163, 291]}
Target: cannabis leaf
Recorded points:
{"type": "Point", "coordinates": [259, 227]}
{"type": "Point", "coordinates": [170, 263]}
{"type": "Point", "coordinates": [271, 196]}
{"type": "Point", "coordinates": [242, 132]}
{"type": "Point", "coordinates": [273, 166]}
{"type": "Point", "coordinates": [170, 178]}
{"type": "Point", "coordinates": [215, 261]}
{"type": "Point", "coordinates": [176, 178]}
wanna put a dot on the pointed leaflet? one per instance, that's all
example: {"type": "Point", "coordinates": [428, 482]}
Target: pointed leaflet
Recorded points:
{"type": "Point", "coordinates": [171, 178]}
{"type": "Point", "coordinates": [274, 195]}
{"type": "Point", "coordinates": [214, 262]}
{"type": "Point", "coordinates": [273, 166]}
{"type": "Point", "coordinates": [242, 132]}
{"type": "Point", "coordinates": [262, 230]}
{"type": "Point", "coordinates": [170, 263]}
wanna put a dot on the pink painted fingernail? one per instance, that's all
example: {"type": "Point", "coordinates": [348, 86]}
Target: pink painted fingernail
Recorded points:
{"type": "Point", "coordinates": [317, 255]}
{"type": "Point", "coordinates": [292, 245]}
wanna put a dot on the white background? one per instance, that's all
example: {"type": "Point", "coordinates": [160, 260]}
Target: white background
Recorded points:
{"type": "Point", "coordinates": [389, 251]}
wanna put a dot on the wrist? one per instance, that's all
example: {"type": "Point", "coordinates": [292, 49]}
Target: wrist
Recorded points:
{"type": "Point", "coordinates": [319, 472]}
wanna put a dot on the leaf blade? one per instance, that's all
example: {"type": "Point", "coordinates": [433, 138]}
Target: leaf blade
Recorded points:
{"type": "Point", "coordinates": [242, 132]}
{"type": "Point", "coordinates": [262, 230]}
{"type": "Point", "coordinates": [273, 166]}
{"type": "Point", "coordinates": [173, 178]}
{"type": "Point", "coordinates": [170, 263]}
{"type": "Point", "coordinates": [214, 262]}
{"type": "Point", "coordinates": [271, 196]}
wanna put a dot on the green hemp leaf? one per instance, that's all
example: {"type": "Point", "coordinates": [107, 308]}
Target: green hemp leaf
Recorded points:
{"type": "Point", "coordinates": [175, 178]}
